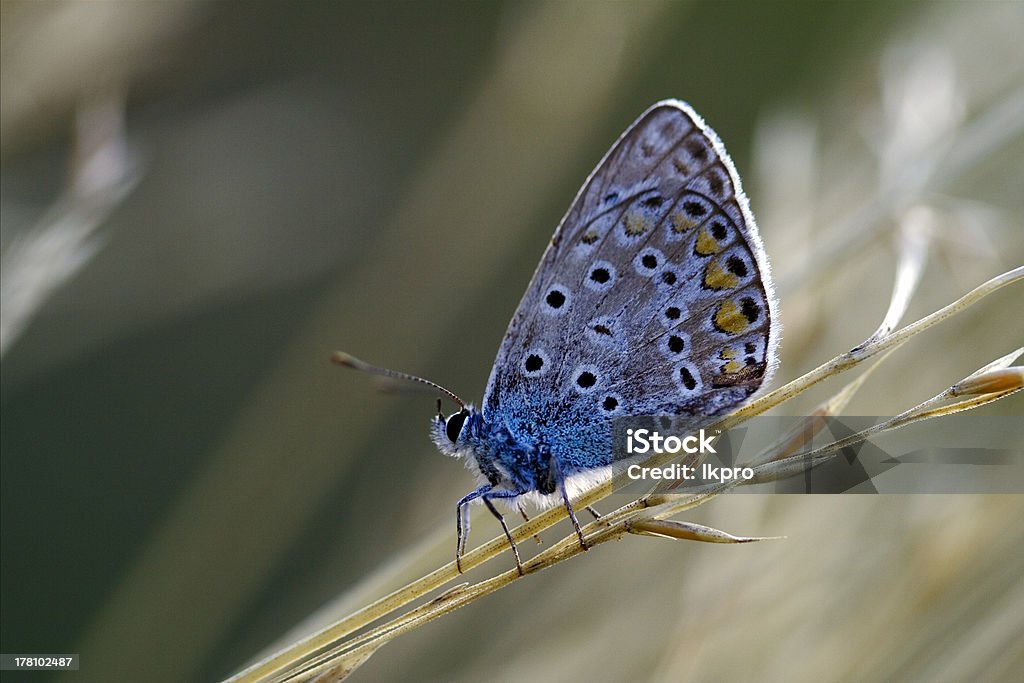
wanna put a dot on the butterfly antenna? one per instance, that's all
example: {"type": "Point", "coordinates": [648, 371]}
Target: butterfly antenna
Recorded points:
{"type": "Point", "coordinates": [345, 360]}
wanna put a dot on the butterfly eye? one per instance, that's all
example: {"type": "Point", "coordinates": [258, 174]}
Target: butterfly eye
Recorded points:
{"type": "Point", "coordinates": [453, 426]}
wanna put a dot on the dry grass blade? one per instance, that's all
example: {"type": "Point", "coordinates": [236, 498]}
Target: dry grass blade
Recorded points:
{"type": "Point", "coordinates": [40, 261]}
{"type": "Point", "coordinates": [996, 376]}
{"type": "Point", "coordinates": [1004, 381]}
{"type": "Point", "coordinates": [914, 239]}
{"type": "Point", "coordinates": [690, 531]}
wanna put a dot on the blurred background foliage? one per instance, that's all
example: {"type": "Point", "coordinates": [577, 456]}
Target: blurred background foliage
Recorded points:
{"type": "Point", "coordinates": [202, 200]}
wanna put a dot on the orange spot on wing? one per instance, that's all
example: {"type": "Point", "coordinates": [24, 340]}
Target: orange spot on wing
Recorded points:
{"type": "Point", "coordinates": [636, 224]}
{"type": "Point", "coordinates": [715, 277]}
{"type": "Point", "coordinates": [706, 244]}
{"type": "Point", "coordinates": [681, 222]}
{"type": "Point", "coordinates": [732, 367]}
{"type": "Point", "coordinates": [729, 319]}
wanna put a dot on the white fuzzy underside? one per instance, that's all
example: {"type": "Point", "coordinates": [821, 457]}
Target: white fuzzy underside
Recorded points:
{"type": "Point", "coordinates": [575, 485]}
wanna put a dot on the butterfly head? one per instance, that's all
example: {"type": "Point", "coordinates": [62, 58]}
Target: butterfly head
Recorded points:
{"type": "Point", "coordinates": [450, 433]}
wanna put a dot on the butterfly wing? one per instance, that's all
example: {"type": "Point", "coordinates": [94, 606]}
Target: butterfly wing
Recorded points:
{"type": "Point", "coordinates": [654, 297]}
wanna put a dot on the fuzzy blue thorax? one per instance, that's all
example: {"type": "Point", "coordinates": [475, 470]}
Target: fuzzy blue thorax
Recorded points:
{"type": "Point", "coordinates": [509, 462]}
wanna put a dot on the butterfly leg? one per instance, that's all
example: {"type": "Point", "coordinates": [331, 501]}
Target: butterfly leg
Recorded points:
{"type": "Point", "coordinates": [522, 512]}
{"type": "Point", "coordinates": [487, 494]}
{"type": "Point", "coordinates": [555, 477]}
{"type": "Point", "coordinates": [504, 526]}
{"type": "Point", "coordinates": [572, 515]}
{"type": "Point", "coordinates": [462, 522]}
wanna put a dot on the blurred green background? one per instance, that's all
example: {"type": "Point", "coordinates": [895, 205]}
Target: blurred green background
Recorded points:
{"type": "Point", "coordinates": [202, 200]}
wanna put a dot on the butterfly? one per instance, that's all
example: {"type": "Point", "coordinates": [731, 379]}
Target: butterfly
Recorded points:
{"type": "Point", "coordinates": [654, 297]}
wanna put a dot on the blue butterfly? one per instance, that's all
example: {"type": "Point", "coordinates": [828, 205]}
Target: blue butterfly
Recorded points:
{"type": "Point", "coordinates": [654, 297]}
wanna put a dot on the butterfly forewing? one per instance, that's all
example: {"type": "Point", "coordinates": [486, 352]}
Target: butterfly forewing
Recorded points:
{"type": "Point", "coordinates": [654, 296]}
